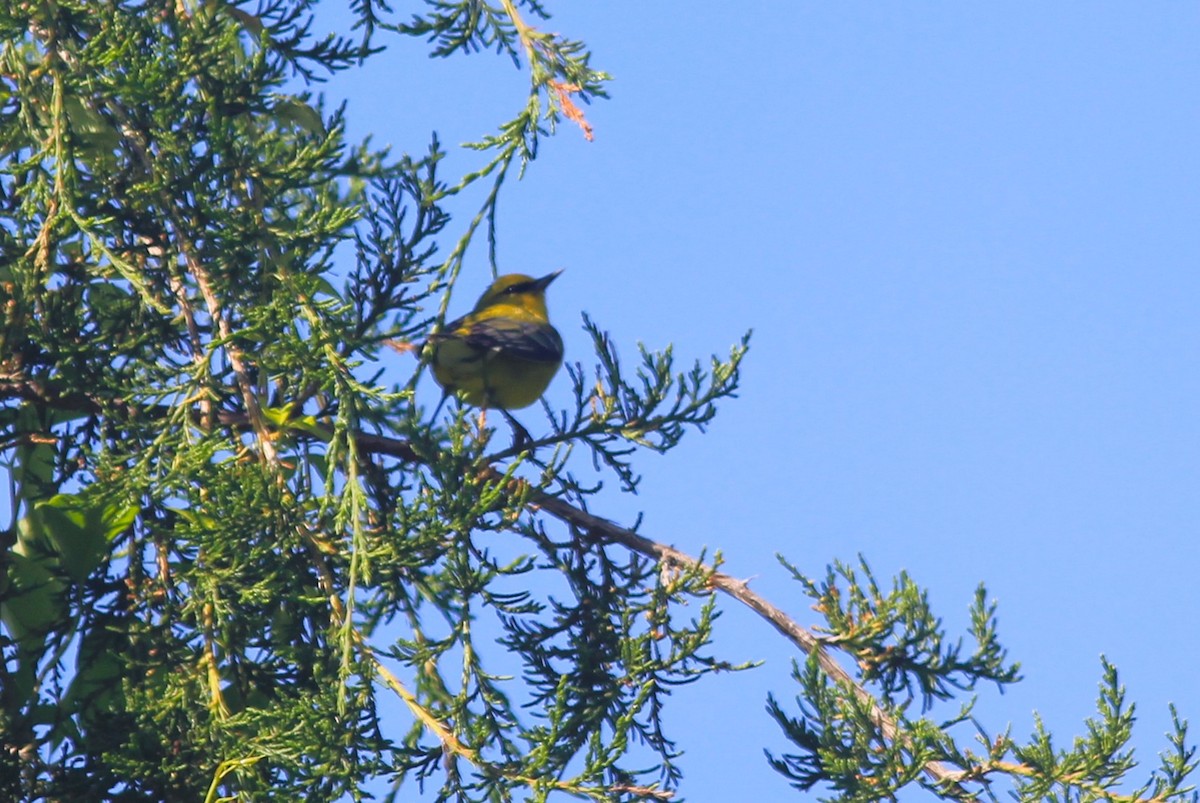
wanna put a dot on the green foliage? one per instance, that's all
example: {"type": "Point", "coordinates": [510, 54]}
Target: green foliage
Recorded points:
{"type": "Point", "coordinates": [241, 566]}
{"type": "Point", "coordinates": [228, 538]}
{"type": "Point", "coordinates": [897, 642]}
{"type": "Point", "coordinates": [866, 747]}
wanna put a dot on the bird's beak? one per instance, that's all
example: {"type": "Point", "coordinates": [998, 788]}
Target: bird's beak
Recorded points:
{"type": "Point", "coordinates": [544, 282]}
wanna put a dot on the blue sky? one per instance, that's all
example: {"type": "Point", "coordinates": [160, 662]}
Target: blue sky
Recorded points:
{"type": "Point", "coordinates": [966, 237]}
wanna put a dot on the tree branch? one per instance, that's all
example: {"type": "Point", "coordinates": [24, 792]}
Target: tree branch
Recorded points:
{"type": "Point", "coordinates": [602, 529]}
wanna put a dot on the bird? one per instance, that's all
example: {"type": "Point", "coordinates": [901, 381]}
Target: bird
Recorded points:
{"type": "Point", "coordinates": [503, 354]}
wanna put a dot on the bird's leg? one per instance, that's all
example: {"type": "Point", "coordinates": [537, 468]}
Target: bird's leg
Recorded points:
{"type": "Point", "coordinates": [521, 436]}
{"type": "Point", "coordinates": [438, 409]}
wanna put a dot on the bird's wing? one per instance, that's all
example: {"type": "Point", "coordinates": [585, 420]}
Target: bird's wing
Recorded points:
{"type": "Point", "coordinates": [521, 340]}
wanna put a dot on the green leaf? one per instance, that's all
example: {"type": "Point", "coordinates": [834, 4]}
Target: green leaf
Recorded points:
{"type": "Point", "coordinates": [96, 688]}
{"type": "Point", "coordinates": [35, 604]}
{"type": "Point", "coordinates": [80, 529]}
{"type": "Point", "coordinates": [33, 474]}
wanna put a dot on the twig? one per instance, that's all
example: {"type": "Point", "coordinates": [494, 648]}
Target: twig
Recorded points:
{"type": "Point", "coordinates": [804, 639]}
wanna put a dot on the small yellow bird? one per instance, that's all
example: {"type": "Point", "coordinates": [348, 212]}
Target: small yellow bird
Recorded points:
{"type": "Point", "coordinates": [503, 353]}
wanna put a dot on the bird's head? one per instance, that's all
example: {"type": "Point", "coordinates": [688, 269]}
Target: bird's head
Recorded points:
{"type": "Point", "coordinates": [520, 291]}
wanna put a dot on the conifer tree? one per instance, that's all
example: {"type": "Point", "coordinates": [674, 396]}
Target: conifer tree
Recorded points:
{"type": "Point", "coordinates": [242, 564]}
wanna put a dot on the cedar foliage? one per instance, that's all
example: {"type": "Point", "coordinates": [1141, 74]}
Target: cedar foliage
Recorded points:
{"type": "Point", "coordinates": [242, 565]}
